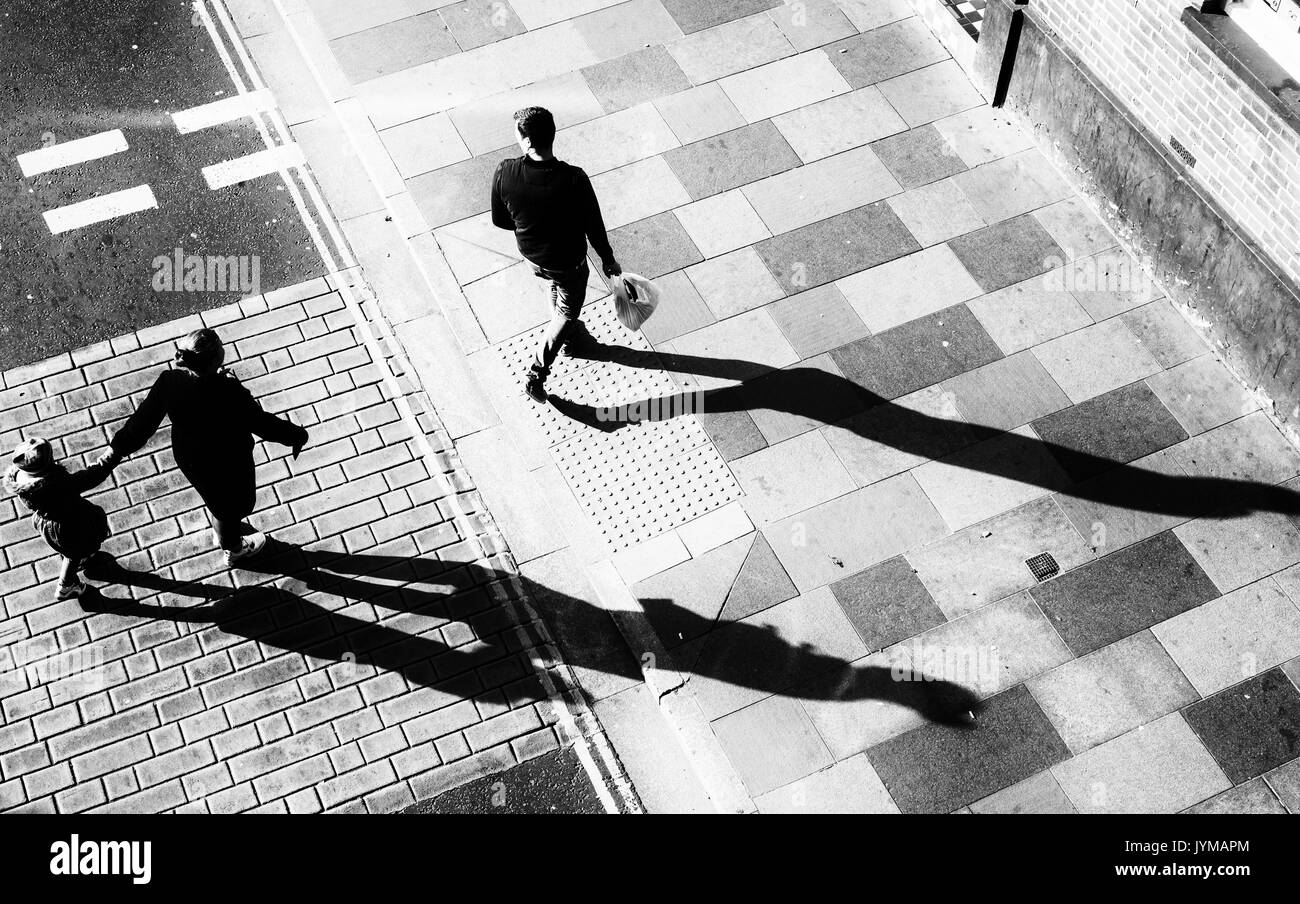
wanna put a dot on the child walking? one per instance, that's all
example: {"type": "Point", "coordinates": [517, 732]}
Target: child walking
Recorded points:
{"type": "Point", "coordinates": [74, 527]}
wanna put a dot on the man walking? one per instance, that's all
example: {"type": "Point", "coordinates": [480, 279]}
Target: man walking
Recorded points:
{"type": "Point", "coordinates": [552, 210]}
{"type": "Point", "coordinates": [214, 419]}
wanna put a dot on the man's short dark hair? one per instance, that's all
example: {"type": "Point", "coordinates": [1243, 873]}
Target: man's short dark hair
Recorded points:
{"type": "Point", "coordinates": [537, 125]}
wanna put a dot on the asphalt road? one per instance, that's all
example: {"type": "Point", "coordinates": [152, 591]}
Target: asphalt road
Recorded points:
{"type": "Point", "coordinates": [551, 783]}
{"type": "Point", "coordinates": [73, 68]}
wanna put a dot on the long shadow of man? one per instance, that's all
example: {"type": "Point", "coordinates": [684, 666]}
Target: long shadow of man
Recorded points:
{"type": "Point", "coordinates": [324, 605]}
{"type": "Point", "coordinates": [828, 398]}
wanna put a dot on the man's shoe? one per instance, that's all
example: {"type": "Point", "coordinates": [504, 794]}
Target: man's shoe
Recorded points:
{"type": "Point", "coordinates": [580, 343]}
{"type": "Point", "coordinates": [535, 389]}
{"type": "Point", "coordinates": [69, 591]}
{"type": "Point", "coordinates": [248, 547]}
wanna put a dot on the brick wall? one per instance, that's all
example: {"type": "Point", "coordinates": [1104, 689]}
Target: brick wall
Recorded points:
{"type": "Point", "coordinates": [1247, 158]}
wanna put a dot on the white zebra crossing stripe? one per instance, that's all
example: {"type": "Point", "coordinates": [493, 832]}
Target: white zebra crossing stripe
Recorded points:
{"type": "Point", "coordinates": [70, 153]}
{"type": "Point", "coordinates": [104, 207]}
{"type": "Point", "coordinates": [220, 111]}
{"type": "Point", "coordinates": [262, 163]}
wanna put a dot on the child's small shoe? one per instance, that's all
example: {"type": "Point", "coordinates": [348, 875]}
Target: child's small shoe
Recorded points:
{"type": "Point", "coordinates": [69, 591]}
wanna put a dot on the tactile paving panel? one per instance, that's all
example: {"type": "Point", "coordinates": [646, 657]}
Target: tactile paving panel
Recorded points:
{"type": "Point", "coordinates": [640, 480]}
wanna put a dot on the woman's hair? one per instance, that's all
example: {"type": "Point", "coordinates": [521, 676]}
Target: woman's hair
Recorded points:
{"type": "Point", "coordinates": [201, 350]}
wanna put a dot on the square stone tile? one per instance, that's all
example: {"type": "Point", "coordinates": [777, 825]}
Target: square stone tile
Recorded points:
{"type": "Point", "coordinates": [1166, 333]}
{"type": "Point", "coordinates": [538, 13]}
{"type": "Point", "coordinates": [1250, 448]}
{"type": "Point", "coordinates": [918, 353]}
{"type": "Point", "coordinates": [627, 26]}
{"type": "Point", "coordinates": [821, 189]}
{"type": "Point", "coordinates": [1111, 691]}
{"type": "Point", "coordinates": [489, 124]}
{"type": "Point", "coordinates": [989, 478]}
{"type": "Point", "coordinates": [909, 287]}
{"type": "Point", "coordinates": [733, 432]}
{"type": "Point", "coordinates": [1037, 794]}
{"type": "Point", "coordinates": [474, 23]}
{"type": "Point", "coordinates": [1202, 394]}
{"type": "Point", "coordinates": [734, 282]}
{"type": "Point", "coordinates": [939, 768]}
{"type": "Point", "coordinates": [1234, 637]}
{"type": "Point", "coordinates": [752, 338]}
{"type": "Point", "coordinates": [685, 601]}
{"type": "Point", "coordinates": [393, 46]}
{"type": "Point", "coordinates": [885, 52]}
{"type": "Point", "coordinates": [1107, 283]}
{"type": "Point", "coordinates": [1289, 581]}
{"type": "Point", "coordinates": [424, 145]}
{"type": "Point", "coordinates": [1124, 592]}
{"type": "Point", "coordinates": [680, 310]}
{"type": "Point", "coordinates": [868, 14]}
{"type": "Point", "coordinates": [919, 156]}
{"type": "Point", "coordinates": [1096, 359]}
{"type": "Point", "coordinates": [813, 24]}
{"type": "Point", "coordinates": [936, 212]}
{"type": "Point", "coordinates": [635, 77]}
{"type": "Point", "coordinates": [856, 707]}
{"type": "Point", "coordinates": [931, 93]}
{"type": "Point", "coordinates": [475, 248]}
{"type": "Point", "coordinates": [723, 50]}
{"type": "Point", "coordinates": [603, 144]}
{"type": "Point", "coordinates": [1162, 768]}
{"type": "Point", "coordinates": [509, 302]}
{"type": "Point", "coordinates": [731, 159]}
{"type": "Point", "coordinates": [771, 743]}
{"type": "Point", "coordinates": [1028, 313]}
{"type": "Point", "coordinates": [790, 476]}
{"type": "Point", "coordinates": [818, 320]}
{"type": "Point", "coordinates": [1254, 797]}
{"type": "Point", "coordinates": [654, 246]}
{"type": "Point", "coordinates": [800, 398]}
{"type": "Point", "coordinates": [722, 223]}
{"type": "Point", "coordinates": [887, 603]}
{"type": "Point", "coordinates": [697, 15]}
{"type": "Point", "coordinates": [457, 191]}
{"type": "Point", "coordinates": [1008, 252]}
{"type": "Point", "coordinates": [1109, 430]}
{"type": "Point", "coordinates": [835, 247]}
{"type": "Point", "coordinates": [847, 534]}
{"type": "Point", "coordinates": [888, 439]}
{"type": "Point", "coordinates": [1251, 727]}
{"type": "Point", "coordinates": [839, 123]}
{"type": "Point", "coordinates": [991, 649]}
{"type": "Point", "coordinates": [637, 191]}
{"type": "Point", "coordinates": [848, 787]}
{"type": "Point", "coordinates": [1072, 225]}
{"type": "Point", "coordinates": [1013, 185]}
{"type": "Point", "coordinates": [1285, 783]}
{"type": "Point", "coordinates": [698, 113]}
{"type": "Point", "coordinates": [983, 134]}
{"type": "Point", "coordinates": [986, 562]}
{"type": "Point", "coordinates": [1234, 552]}
{"type": "Point", "coordinates": [784, 85]}
{"type": "Point", "coordinates": [1129, 504]}
{"type": "Point", "coordinates": [1008, 393]}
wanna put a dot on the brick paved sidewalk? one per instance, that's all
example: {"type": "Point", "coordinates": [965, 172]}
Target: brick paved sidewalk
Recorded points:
{"type": "Point", "coordinates": [947, 358]}
{"type": "Point", "coordinates": [373, 660]}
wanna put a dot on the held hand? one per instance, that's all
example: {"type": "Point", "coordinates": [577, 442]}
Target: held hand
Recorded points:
{"type": "Point", "coordinates": [110, 458]}
{"type": "Point", "coordinates": [612, 269]}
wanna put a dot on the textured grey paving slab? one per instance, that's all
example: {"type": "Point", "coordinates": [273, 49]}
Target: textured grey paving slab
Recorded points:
{"type": "Point", "coordinates": [474, 23]}
{"type": "Point", "coordinates": [1251, 727]}
{"type": "Point", "coordinates": [1008, 393]}
{"type": "Point", "coordinates": [818, 320]}
{"type": "Point", "coordinates": [1102, 509]}
{"type": "Point", "coordinates": [685, 601]}
{"type": "Point", "coordinates": [771, 744]}
{"type": "Point", "coordinates": [1201, 393]}
{"type": "Point", "coordinates": [1124, 592]}
{"type": "Point", "coordinates": [887, 603]}
{"type": "Point", "coordinates": [458, 191]}
{"type": "Point", "coordinates": [1109, 430]}
{"type": "Point", "coordinates": [799, 398]}
{"type": "Point", "coordinates": [654, 246]}
{"type": "Point", "coordinates": [885, 52]}
{"type": "Point", "coordinates": [940, 768]}
{"type": "Point", "coordinates": [394, 46]}
{"type": "Point", "coordinates": [1285, 782]}
{"type": "Point", "coordinates": [1165, 332]}
{"type": "Point", "coordinates": [1038, 794]}
{"type": "Point", "coordinates": [1006, 253]}
{"type": "Point", "coordinates": [554, 782]}
{"type": "Point", "coordinates": [697, 15]}
{"type": "Point", "coordinates": [824, 251]}
{"type": "Point", "coordinates": [918, 156]}
{"type": "Point", "coordinates": [1027, 313]}
{"type": "Point", "coordinates": [1254, 797]}
{"type": "Point", "coordinates": [733, 432]}
{"type": "Point", "coordinates": [917, 354]}
{"type": "Point", "coordinates": [732, 159]}
{"type": "Point", "coordinates": [850, 786]}
{"type": "Point", "coordinates": [1242, 550]}
{"type": "Point", "coordinates": [634, 77]}
{"type": "Point", "coordinates": [680, 310]}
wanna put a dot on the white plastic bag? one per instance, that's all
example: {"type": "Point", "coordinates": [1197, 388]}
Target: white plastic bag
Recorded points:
{"type": "Point", "coordinates": [635, 299]}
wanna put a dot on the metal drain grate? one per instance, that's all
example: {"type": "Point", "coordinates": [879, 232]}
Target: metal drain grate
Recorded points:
{"type": "Point", "coordinates": [1043, 566]}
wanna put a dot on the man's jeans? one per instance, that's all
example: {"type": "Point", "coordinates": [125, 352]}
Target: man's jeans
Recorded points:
{"type": "Point", "coordinates": [568, 291]}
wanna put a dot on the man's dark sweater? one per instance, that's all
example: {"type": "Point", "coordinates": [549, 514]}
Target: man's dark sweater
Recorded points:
{"type": "Point", "coordinates": [552, 209]}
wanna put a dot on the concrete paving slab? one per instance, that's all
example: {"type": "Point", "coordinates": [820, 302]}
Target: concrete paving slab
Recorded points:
{"type": "Point", "coordinates": [887, 603]}
{"type": "Point", "coordinates": [884, 52]}
{"type": "Point", "coordinates": [1252, 727]}
{"type": "Point", "coordinates": [697, 15]}
{"type": "Point", "coordinates": [983, 134]}
{"type": "Point", "coordinates": [716, 52]}
{"type": "Point", "coordinates": [731, 159]}
{"type": "Point", "coordinates": [1038, 794]}
{"type": "Point", "coordinates": [821, 189]}
{"type": "Point", "coordinates": [908, 287]}
{"type": "Point", "coordinates": [1012, 186]}
{"type": "Point", "coordinates": [829, 249]}
{"type": "Point", "coordinates": [722, 223]}
{"type": "Point", "coordinates": [931, 93]}
{"type": "Point", "coordinates": [734, 283]}
{"type": "Point", "coordinates": [849, 786]}
{"type": "Point", "coordinates": [474, 23]}
{"type": "Point", "coordinates": [783, 85]}
{"type": "Point", "coordinates": [771, 744]}
{"type": "Point", "coordinates": [488, 124]}
{"type": "Point", "coordinates": [394, 46]}
{"type": "Point", "coordinates": [699, 113]}
{"type": "Point", "coordinates": [654, 246]}
{"type": "Point", "coordinates": [681, 309]}
{"type": "Point", "coordinates": [1007, 253]}
{"type": "Point", "coordinates": [818, 320]}
{"type": "Point", "coordinates": [1238, 551]}
{"type": "Point", "coordinates": [622, 27]}
{"type": "Point", "coordinates": [936, 212]}
{"type": "Point", "coordinates": [1108, 283]}
{"type": "Point", "coordinates": [1028, 313]}
{"type": "Point", "coordinates": [1254, 797]}
{"type": "Point", "coordinates": [839, 123]}
{"type": "Point", "coordinates": [1202, 394]}
{"type": "Point", "coordinates": [1101, 508]}
{"type": "Point", "coordinates": [790, 476]}
{"type": "Point", "coordinates": [1166, 333]}
{"type": "Point", "coordinates": [638, 191]}
{"type": "Point", "coordinates": [1075, 228]}
{"type": "Point", "coordinates": [1096, 360]}
{"type": "Point", "coordinates": [919, 156]}
{"type": "Point", "coordinates": [635, 77]}
{"type": "Point", "coordinates": [1007, 394]}
{"type": "Point", "coordinates": [1248, 448]}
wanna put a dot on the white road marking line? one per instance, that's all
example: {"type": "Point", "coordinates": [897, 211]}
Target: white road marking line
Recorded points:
{"type": "Point", "coordinates": [219, 111]}
{"type": "Point", "coordinates": [561, 708]}
{"type": "Point", "coordinates": [104, 207]}
{"type": "Point", "coordinates": [70, 153]}
{"type": "Point", "coordinates": [263, 163]}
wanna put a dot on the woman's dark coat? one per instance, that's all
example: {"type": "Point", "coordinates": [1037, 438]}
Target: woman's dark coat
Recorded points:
{"type": "Point", "coordinates": [214, 419]}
